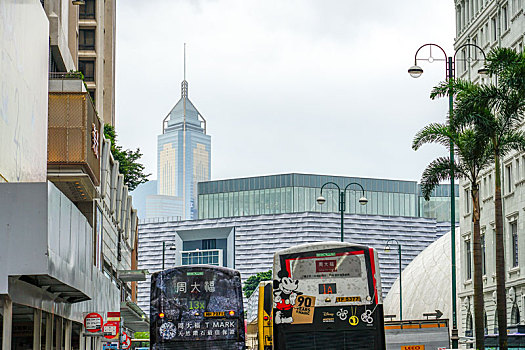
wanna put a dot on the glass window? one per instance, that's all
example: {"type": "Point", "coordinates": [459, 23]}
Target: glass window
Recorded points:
{"type": "Point", "coordinates": [282, 199]}
{"type": "Point", "coordinates": [289, 200]}
{"type": "Point", "coordinates": [87, 11]}
{"type": "Point", "coordinates": [246, 205]}
{"type": "Point", "coordinates": [494, 28]}
{"type": "Point", "coordinates": [241, 203]}
{"type": "Point", "coordinates": [267, 201]}
{"type": "Point", "coordinates": [273, 200]}
{"type": "Point", "coordinates": [257, 202]}
{"type": "Point", "coordinates": [87, 67]}
{"type": "Point", "coordinates": [252, 202]}
{"type": "Point", "coordinates": [514, 234]}
{"type": "Point", "coordinates": [508, 178]}
{"type": "Point", "coordinates": [205, 206]}
{"type": "Point", "coordinates": [483, 255]}
{"type": "Point", "coordinates": [466, 195]}
{"type": "Point", "coordinates": [215, 205]}
{"type": "Point", "coordinates": [209, 243]}
{"type": "Point", "coordinates": [86, 39]}
{"type": "Point", "coordinates": [262, 202]}
{"type": "Point", "coordinates": [380, 210]}
{"type": "Point", "coordinates": [221, 205]}
{"type": "Point", "coordinates": [468, 260]}
{"type": "Point", "coordinates": [235, 203]}
{"type": "Point", "coordinates": [300, 199]}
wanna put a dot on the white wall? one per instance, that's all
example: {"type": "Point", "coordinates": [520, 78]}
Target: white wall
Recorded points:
{"type": "Point", "coordinates": [24, 38]}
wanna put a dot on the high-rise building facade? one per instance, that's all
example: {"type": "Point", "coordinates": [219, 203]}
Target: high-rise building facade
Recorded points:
{"type": "Point", "coordinates": [490, 24]}
{"type": "Point", "coordinates": [96, 54]}
{"type": "Point", "coordinates": [183, 160]}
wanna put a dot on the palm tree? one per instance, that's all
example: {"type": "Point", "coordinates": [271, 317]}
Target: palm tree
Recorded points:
{"type": "Point", "coordinates": [497, 111]}
{"type": "Point", "coordinates": [471, 149]}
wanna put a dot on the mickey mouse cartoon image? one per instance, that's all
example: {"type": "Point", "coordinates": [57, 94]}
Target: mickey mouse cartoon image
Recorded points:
{"type": "Point", "coordinates": [284, 295]}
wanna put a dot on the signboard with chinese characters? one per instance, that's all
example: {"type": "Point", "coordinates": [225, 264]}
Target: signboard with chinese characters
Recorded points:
{"type": "Point", "coordinates": [93, 322]}
{"type": "Point", "coordinates": [196, 303]}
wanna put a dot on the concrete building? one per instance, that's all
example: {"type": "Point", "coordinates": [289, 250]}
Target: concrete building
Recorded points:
{"type": "Point", "coordinates": [490, 24]}
{"type": "Point", "coordinates": [295, 193]}
{"type": "Point", "coordinates": [184, 159]}
{"type": "Point", "coordinates": [96, 54]}
{"type": "Point", "coordinates": [247, 243]}
{"type": "Point", "coordinates": [68, 229]}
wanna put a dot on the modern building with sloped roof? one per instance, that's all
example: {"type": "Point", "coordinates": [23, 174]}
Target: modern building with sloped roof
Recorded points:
{"type": "Point", "coordinates": [247, 243]}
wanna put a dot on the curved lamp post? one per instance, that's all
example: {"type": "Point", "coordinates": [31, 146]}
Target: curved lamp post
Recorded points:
{"type": "Point", "coordinates": [394, 242]}
{"type": "Point", "coordinates": [342, 201]}
{"type": "Point", "coordinates": [450, 67]}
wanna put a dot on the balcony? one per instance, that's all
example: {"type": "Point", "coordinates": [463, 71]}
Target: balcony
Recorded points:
{"type": "Point", "coordinates": [74, 140]}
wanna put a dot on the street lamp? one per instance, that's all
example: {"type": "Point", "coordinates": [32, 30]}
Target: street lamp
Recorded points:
{"type": "Point", "coordinates": [387, 249]}
{"type": "Point", "coordinates": [342, 201]}
{"type": "Point", "coordinates": [450, 66]}
{"type": "Point", "coordinates": [172, 247]}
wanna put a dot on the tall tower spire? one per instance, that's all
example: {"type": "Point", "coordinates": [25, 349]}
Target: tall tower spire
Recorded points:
{"type": "Point", "coordinates": [184, 85]}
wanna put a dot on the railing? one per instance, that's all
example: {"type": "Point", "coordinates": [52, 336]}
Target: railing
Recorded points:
{"type": "Point", "coordinates": [66, 75]}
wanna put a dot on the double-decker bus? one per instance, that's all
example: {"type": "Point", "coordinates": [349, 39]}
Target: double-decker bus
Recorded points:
{"type": "Point", "coordinates": [327, 296]}
{"type": "Point", "coordinates": [197, 307]}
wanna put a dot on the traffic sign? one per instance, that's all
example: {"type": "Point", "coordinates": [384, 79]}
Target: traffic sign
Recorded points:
{"type": "Point", "coordinates": [93, 322]}
{"type": "Point", "coordinates": [111, 329]}
{"type": "Point", "coordinates": [126, 342]}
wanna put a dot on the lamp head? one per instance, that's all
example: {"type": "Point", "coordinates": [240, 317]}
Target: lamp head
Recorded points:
{"type": "Point", "coordinates": [415, 71]}
{"type": "Point", "coordinates": [78, 2]}
{"type": "Point", "coordinates": [321, 200]}
{"type": "Point", "coordinates": [483, 71]}
{"type": "Point", "coordinates": [387, 248]}
{"type": "Point", "coordinates": [363, 200]}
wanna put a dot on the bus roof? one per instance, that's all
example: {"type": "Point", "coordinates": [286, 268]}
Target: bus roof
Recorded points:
{"type": "Point", "coordinates": [319, 246]}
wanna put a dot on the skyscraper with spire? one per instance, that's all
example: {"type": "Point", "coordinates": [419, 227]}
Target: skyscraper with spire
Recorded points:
{"type": "Point", "coordinates": [183, 159]}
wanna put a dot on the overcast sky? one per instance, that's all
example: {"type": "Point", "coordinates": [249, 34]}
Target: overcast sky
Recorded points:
{"type": "Point", "coordinates": [312, 86]}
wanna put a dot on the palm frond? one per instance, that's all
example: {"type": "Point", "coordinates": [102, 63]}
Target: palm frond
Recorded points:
{"type": "Point", "coordinates": [435, 173]}
{"type": "Point", "coordinates": [432, 133]}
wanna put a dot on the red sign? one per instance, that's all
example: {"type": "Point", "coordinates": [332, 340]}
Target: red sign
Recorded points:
{"type": "Point", "coordinates": [325, 265]}
{"type": "Point", "coordinates": [93, 322]}
{"type": "Point", "coordinates": [126, 343]}
{"type": "Point", "coordinates": [111, 327]}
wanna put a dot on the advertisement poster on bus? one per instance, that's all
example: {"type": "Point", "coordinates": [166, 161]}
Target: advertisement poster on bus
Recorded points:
{"type": "Point", "coordinates": [195, 304]}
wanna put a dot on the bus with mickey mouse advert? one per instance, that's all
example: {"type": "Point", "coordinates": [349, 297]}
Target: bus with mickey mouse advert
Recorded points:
{"type": "Point", "coordinates": [327, 296]}
{"type": "Point", "coordinates": [197, 307]}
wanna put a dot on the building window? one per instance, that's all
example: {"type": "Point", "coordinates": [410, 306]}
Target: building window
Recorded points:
{"type": "Point", "coordinates": [86, 39]}
{"type": "Point", "coordinates": [92, 95]}
{"type": "Point", "coordinates": [515, 315]}
{"type": "Point", "coordinates": [505, 17]}
{"type": "Point", "coordinates": [494, 29]}
{"type": "Point", "coordinates": [87, 11]}
{"type": "Point", "coordinates": [487, 35]}
{"type": "Point", "coordinates": [88, 69]}
{"type": "Point", "coordinates": [475, 49]}
{"type": "Point", "coordinates": [209, 244]}
{"type": "Point", "coordinates": [467, 201]}
{"type": "Point", "coordinates": [517, 175]}
{"type": "Point", "coordinates": [199, 257]}
{"type": "Point", "coordinates": [514, 234]}
{"type": "Point", "coordinates": [468, 262]}
{"type": "Point", "coordinates": [508, 178]}
{"type": "Point", "coordinates": [469, 325]}
{"type": "Point", "coordinates": [483, 255]}
{"type": "Point", "coordinates": [465, 59]}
